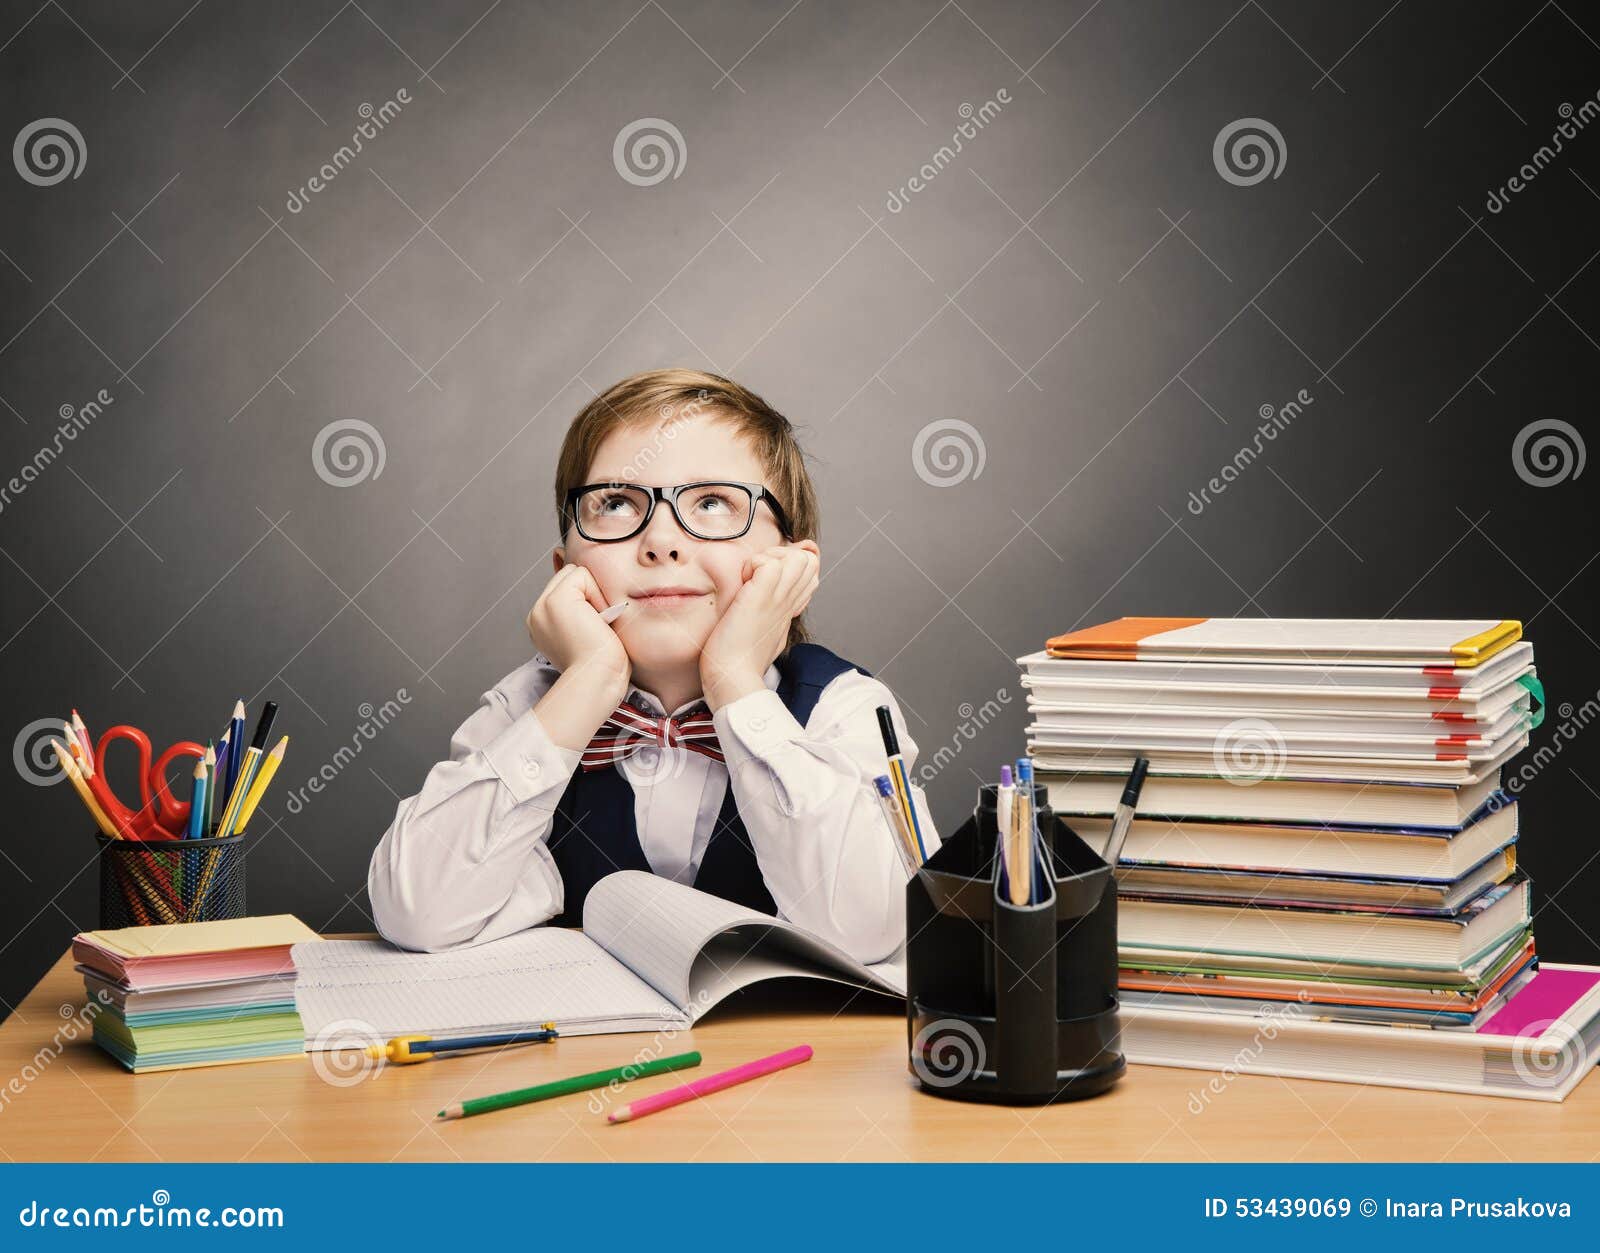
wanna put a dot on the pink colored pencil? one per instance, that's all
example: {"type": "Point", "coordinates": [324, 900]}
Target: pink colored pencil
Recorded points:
{"type": "Point", "coordinates": [711, 1083]}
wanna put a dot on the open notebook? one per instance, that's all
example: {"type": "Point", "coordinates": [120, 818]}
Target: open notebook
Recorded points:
{"type": "Point", "coordinates": [652, 954]}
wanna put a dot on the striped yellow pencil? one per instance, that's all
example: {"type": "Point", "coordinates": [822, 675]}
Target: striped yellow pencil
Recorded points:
{"type": "Point", "coordinates": [268, 768]}
{"type": "Point", "coordinates": [241, 788]}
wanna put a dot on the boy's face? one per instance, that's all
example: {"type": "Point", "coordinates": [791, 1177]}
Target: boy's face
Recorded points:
{"type": "Point", "coordinates": [669, 631]}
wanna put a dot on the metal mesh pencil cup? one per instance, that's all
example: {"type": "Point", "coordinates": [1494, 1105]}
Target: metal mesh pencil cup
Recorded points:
{"type": "Point", "coordinates": [1005, 1003]}
{"type": "Point", "coordinates": [167, 881]}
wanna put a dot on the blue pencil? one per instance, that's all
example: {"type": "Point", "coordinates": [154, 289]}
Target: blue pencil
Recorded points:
{"type": "Point", "coordinates": [219, 776]}
{"type": "Point", "coordinates": [236, 746]}
{"type": "Point", "coordinates": [197, 805]}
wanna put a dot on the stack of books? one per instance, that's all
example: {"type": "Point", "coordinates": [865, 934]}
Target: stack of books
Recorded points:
{"type": "Point", "coordinates": [194, 994]}
{"type": "Point", "coordinates": [1322, 840]}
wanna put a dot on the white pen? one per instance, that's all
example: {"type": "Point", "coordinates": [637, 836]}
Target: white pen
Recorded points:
{"type": "Point", "coordinates": [614, 612]}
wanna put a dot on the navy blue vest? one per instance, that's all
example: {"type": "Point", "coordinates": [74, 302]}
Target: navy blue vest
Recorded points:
{"type": "Point", "coordinates": [593, 833]}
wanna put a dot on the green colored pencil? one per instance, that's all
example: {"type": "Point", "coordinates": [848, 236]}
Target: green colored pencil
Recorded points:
{"type": "Point", "coordinates": [562, 1087]}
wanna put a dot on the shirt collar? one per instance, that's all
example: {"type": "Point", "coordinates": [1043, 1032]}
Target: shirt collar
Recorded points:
{"type": "Point", "coordinates": [646, 701]}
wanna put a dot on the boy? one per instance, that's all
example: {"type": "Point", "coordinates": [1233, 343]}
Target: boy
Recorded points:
{"type": "Point", "coordinates": [683, 498]}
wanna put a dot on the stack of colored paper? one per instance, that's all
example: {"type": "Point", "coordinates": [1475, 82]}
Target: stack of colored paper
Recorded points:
{"type": "Point", "coordinates": [194, 994]}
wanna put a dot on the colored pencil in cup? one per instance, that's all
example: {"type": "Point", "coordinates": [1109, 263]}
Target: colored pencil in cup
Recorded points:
{"type": "Point", "coordinates": [241, 788]}
{"type": "Point", "coordinates": [236, 745]}
{"type": "Point", "coordinates": [213, 785]}
{"type": "Point", "coordinates": [268, 768]}
{"type": "Point", "coordinates": [74, 773]}
{"type": "Point", "coordinates": [561, 1087]}
{"type": "Point", "coordinates": [75, 746]}
{"type": "Point", "coordinates": [220, 775]}
{"type": "Point", "coordinates": [697, 1088]}
{"type": "Point", "coordinates": [248, 765]}
{"type": "Point", "coordinates": [197, 804]}
{"type": "Point", "coordinates": [82, 734]}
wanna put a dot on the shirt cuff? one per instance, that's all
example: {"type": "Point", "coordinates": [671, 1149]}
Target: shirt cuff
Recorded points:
{"type": "Point", "coordinates": [534, 768]}
{"type": "Point", "coordinates": [755, 726]}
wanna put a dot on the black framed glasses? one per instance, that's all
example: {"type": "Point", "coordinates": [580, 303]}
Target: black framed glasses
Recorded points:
{"type": "Point", "coordinates": [605, 513]}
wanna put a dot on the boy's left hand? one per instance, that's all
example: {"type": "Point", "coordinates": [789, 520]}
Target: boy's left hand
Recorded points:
{"type": "Point", "coordinates": [778, 585]}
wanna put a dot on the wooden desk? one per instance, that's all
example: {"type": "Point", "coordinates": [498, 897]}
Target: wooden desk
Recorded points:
{"type": "Point", "coordinates": [853, 1102]}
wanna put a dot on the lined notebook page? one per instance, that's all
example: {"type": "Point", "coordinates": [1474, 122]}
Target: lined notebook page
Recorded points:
{"type": "Point", "coordinates": [347, 989]}
{"type": "Point", "coordinates": [658, 927]}
{"type": "Point", "coordinates": [697, 948]}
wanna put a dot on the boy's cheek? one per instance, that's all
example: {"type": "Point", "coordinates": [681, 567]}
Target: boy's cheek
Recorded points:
{"type": "Point", "coordinates": [725, 565]}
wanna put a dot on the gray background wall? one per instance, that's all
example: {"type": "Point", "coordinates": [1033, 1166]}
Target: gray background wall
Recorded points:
{"type": "Point", "coordinates": [1081, 285]}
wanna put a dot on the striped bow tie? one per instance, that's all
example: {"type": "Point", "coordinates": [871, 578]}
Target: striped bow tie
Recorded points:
{"type": "Point", "coordinates": [628, 730]}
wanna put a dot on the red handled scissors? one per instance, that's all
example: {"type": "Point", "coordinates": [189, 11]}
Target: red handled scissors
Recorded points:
{"type": "Point", "coordinates": [159, 816]}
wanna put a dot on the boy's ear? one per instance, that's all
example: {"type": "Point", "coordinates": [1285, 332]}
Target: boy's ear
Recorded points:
{"type": "Point", "coordinates": [557, 558]}
{"type": "Point", "coordinates": [810, 545]}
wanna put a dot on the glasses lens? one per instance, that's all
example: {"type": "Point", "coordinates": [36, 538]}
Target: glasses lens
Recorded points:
{"type": "Point", "coordinates": [714, 510]}
{"type": "Point", "coordinates": [613, 512]}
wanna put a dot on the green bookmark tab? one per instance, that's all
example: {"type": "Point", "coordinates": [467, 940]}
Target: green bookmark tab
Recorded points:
{"type": "Point", "coordinates": [1530, 683]}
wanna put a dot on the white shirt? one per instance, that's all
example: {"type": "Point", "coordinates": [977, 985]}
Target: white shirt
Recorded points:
{"type": "Point", "coordinates": [466, 859]}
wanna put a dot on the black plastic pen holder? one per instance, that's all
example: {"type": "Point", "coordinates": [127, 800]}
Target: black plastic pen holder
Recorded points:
{"type": "Point", "coordinates": [154, 882]}
{"type": "Point", "coordinates": [1008, 1003]}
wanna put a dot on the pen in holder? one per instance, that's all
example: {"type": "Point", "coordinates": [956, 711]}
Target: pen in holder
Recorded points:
{"type": "Point", "coordinates": [1014, 1004]}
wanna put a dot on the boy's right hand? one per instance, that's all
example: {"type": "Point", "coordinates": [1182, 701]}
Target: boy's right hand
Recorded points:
{"type": "Point", "coordinates": [564, 624]}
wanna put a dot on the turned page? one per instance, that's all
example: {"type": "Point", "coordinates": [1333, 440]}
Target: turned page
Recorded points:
{"type": "Point", "coordinates": [695, 948]}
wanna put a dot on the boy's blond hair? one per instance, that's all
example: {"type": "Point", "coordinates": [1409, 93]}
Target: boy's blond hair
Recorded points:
{"type": "Point", "coordinates": [670, 397]}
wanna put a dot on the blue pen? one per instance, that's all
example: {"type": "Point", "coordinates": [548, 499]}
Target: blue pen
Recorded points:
{"type": "Point", "coordinates": [1031, 854]}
